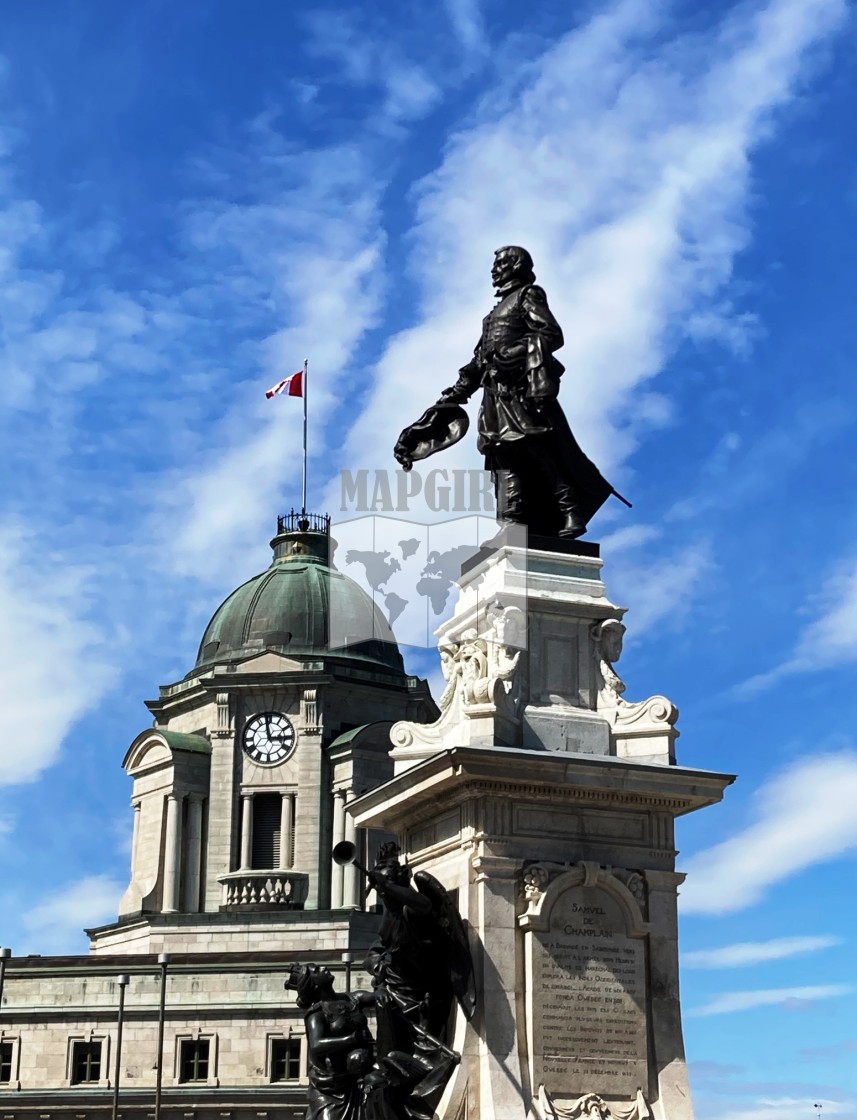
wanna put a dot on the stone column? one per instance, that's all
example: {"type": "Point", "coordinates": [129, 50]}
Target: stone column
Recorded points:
{"type": "Point", "coordinates": [667, 1041]}
{"type": "Point", "coordinates": [287, 858]}
{"type": "Point", "coordinates": [246, 830]}
{"type": "Point", "coordinates": [135, 837]}
{"type": "Point", "coordinates": [500, 1077]}
{"type": "Point", "coordinates": [172, 854]}
{"type": "Point", "coordinates": [193, 856]}
{"type": "Point", "coordinates": [349, 879]}
{"type": "Point", "coordinates": [337, 884]}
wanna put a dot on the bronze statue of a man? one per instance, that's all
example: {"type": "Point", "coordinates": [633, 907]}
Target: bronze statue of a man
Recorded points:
{"type": "Point", "coordinates": [542, 477]}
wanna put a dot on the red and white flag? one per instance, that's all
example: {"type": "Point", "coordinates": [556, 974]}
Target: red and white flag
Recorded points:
{"type": "Point", "coordinates": [292, 386]}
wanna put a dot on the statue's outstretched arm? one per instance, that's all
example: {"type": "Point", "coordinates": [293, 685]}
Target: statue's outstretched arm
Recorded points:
{"type": "Point", "coordinates": [404, 896]}
{"type": "Point", "coordinates": [469, 380]}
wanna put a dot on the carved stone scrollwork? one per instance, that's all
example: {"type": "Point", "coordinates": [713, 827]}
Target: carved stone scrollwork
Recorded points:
{"type": "Point", "coordinates": [592, 1107]}
{"type": "Point", "coordinates": [481, 676]}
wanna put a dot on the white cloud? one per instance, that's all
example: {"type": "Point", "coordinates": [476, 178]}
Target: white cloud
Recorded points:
{"type": "Point", "coordinates": [52, 665]}
{"type": "Point", "coordinates": [801, 817]}
{"type": "Point", "coordinates": [624, 165]}
{"type": "Point", "coordinates": [793, 998]}
{"type": "Point", "coordinates": [757, 952]}
{"type": "Point", "coordinates": [467, 23]}
{"type": "Point", "coordinates": [369, 57]}
{"type": "Point", "coordinates": [659, 590]}
{"type": "Point", "coordinates": [56, 926]}
{"type": "Point", "coordinates": [628, 538]}
{"type": "Point", "coordinates": [829, 640]}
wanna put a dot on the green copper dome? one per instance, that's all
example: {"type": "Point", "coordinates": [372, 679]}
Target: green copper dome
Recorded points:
{"type": "Point", "coordinates": [289, 608]}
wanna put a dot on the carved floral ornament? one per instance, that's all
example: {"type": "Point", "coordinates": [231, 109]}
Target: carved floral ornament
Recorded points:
{"type": "Point", "coordinates": [483, 667]}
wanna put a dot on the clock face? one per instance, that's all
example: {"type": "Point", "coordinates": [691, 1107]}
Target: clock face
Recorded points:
{"type": "Point", "coordinates": [268, 738]}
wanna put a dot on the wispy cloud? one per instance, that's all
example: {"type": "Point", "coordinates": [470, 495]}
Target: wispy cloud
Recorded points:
{"type": "Point", "coordinates": [371, 59]}
{"type": "Point", "coordinates": [56, 926]}
{"type": "Point", "coordinates": [836, 1050]}
{"type": "Point", "coordinates": [757, 952]}
{"type": "Point", "coordinates": [801, 817]}
{"type": "Point", "coordinates": [661, 589]}
{"type": "Point", "coordinates": [52, 656]}
{"type": "Point", "coordinates": [468, 23]}
{"type": "Point", "coordinates": [794, 998]}
{"type": "Point", "coordinates": [829, 640]}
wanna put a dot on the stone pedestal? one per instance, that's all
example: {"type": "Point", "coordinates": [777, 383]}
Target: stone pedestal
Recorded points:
{"type": "Point", "coordinates": [547, 803]}
{"type": "Point", "coordinates": [529, 661]}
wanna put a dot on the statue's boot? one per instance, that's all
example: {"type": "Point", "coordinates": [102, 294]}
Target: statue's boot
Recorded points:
{"type": "Point", "coordinates": [573, 527]}
{"type": "Point", "coordinates": [511, 505]}
{"type": "Point", "coordinates": [573, 524]}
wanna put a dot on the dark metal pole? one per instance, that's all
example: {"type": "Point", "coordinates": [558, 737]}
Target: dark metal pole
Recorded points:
{"type": "Point", "coordinates": [5, 954]}
{"type": "Point", "coordinates": [123, 982]}
{"type": "Point", "coordinates": [347, 958]}
{"type": "Point", "coordinates": [306, 395]}
{"type": "Point", "coordinates": [163, 961]}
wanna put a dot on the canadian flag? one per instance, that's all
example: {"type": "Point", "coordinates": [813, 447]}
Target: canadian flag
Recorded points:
{"type": "Point", "coordinates": [292, 386]}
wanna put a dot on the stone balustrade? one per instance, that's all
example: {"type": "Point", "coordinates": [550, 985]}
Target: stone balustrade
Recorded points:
{"type": "Point", "coordinates": [264, 890]}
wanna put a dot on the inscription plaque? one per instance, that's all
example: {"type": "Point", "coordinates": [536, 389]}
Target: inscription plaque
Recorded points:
{"type": "Point", "coordinates": [588, 999]}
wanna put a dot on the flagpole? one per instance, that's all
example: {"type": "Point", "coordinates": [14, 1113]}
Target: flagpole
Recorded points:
{"type": "Point", "coordinates": [306, 392]}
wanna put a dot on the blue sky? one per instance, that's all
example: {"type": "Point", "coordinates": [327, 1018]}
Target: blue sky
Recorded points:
{"type": "Point", "coordinates": [193, 199]}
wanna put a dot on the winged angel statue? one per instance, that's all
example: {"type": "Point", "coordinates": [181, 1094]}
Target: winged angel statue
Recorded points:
{"type": "Point", "coordinates": [420, 965]}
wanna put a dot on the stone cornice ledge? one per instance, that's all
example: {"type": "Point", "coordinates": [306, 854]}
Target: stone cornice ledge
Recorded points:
{"type": "Point", "coordinates": [508, 771]}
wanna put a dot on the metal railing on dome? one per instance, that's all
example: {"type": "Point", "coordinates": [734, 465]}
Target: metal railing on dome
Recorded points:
{"type": "Point", "coordinates": [302, 522]}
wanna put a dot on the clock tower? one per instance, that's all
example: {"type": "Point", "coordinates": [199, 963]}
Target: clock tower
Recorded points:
{"type": "Point", "coordinates": [241, 786]}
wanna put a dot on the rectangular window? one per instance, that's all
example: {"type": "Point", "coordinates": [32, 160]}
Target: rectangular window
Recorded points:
{"type": "Point", "coordinates": [267, 813]}
{"type": "Point", "coordinates": [5, 1063]}
{"type": "Point", "coordinates": [85, 1062]}
{"type": "Point", "coordinates": [285, 1059]}
{"type": "Point", "coordinates": [193, 1059]}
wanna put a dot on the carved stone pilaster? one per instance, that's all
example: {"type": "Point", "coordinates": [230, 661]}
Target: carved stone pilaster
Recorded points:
{"type": "Point", "coordinates": [223, 729]}
{"type": "Point", "coordinates": [309, 710]}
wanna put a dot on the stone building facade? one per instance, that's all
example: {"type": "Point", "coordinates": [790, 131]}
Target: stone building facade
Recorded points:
{"type": "Point", "coordinates": [239, 793]}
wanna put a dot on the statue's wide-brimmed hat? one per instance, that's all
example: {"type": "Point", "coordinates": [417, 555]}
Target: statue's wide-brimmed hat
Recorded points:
{"type": "Point", "coordinates": [439, 427]}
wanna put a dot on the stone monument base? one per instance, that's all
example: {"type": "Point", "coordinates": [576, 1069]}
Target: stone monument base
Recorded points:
{"type": "Point", "coordinates": [563, 865]}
